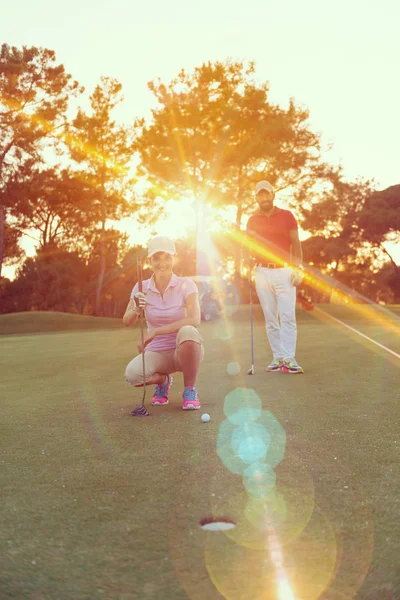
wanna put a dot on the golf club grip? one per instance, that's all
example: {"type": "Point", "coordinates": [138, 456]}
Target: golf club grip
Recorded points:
{"type": "Point", "coordinates": [140, 278]}
{"type": "Point", "coordinates": [140, 273]}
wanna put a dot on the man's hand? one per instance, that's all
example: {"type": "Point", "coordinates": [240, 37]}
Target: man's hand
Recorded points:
{"type": "Point", "coordinates": [297, 276]}
{"type": "Point", "coordinates": [149, 336]}
{"type": "Point", "coordinates": [140, 300]}
{"type": "Point", "coordinates": [249, 262]}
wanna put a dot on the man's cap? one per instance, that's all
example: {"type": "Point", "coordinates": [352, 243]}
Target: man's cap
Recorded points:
{"type": "Point", "coordinates": [264, 185]}
{"type": "Point", "coordinates": [161, 243]}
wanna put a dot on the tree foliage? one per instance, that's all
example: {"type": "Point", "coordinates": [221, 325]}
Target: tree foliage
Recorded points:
{"type": "Point", "coordinates": [330, 214]}
{"type": "Point", "coordinates": [53, 280]}
{"type": "Point", "coordinates": [212, 135]}
{"type": "Point", "coordinates": [59, 205]}
{"type": "Point", "coordinates": [379, 222]}
{"type": "Point", "coordinates": [105, 149]}
{"type": "Point", "coordinates": [34, 96]}
{"type": "Point", "coordinates": [215, 132]}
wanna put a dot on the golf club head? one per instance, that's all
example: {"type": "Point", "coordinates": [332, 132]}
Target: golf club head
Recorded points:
{"type": "Point", "coordinates": [140, 411]}
{"type": "Point", "coordinates": [251, 371]}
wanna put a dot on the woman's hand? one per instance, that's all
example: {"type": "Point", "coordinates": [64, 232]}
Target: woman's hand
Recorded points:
{"type": "Point", "coordinates": [140, 300]}
{"type": "Point", "coordinates": [148, 337]}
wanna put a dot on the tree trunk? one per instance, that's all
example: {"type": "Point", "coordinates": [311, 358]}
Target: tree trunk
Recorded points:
{"type": "Point", "coordinates": [394, 265]}
{"type": "Point", "coordinates": [239, 215]}
{"type": "Point", "coordinates": [2, 235]}
{"type": "Point", "coordinates": [394, 284]}
{"type": "Point", "coordinates": [102, 249]}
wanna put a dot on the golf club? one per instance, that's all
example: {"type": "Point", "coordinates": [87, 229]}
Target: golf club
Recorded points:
{"type": "Point", "coordinates": [141, 411]}
{"type": "Point", "coordinates": [251, 370]}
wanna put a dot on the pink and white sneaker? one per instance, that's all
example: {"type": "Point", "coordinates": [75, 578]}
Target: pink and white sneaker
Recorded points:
{"type": "Point", "coordinates": [290, 365]}
{"type": "Point", "coordinates": [160, 396]}
{"type": "Point", "coordinates": [190, 399]}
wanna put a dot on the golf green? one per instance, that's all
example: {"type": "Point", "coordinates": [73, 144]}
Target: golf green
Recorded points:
{"type": "Point", "coordinates": [99, 504]}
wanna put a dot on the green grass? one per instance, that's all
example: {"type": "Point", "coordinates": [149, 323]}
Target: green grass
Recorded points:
{"type": "Point", "coordinates": [98, 504]}
{"type": "Point", "coordinates": [40, 322]}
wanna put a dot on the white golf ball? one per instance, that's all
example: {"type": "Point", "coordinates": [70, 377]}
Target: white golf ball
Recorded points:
{"type": "Point", "coordinates": [205, 418]}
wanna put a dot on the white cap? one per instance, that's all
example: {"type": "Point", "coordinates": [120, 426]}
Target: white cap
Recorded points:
{"type": "Point", "coordinates": [264, 185]}
{"type": "Point", "coordinates": [161, 243]}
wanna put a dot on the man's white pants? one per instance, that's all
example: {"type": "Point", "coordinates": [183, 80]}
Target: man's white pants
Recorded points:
{"type": "Point", "coordinates": [277, 297]}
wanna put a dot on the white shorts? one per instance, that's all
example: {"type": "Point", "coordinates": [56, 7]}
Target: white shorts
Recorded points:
{"type": "Point", "coordinates": [165, 361]}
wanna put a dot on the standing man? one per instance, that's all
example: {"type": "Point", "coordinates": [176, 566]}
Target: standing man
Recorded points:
{"type": "Point", "coordinates": [275, 243]}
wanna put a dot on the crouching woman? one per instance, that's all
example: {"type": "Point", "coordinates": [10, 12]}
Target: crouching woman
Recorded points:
{"type": "Point", "coordinates": [172, 342]}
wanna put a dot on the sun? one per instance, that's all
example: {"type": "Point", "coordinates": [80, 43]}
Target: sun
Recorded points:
{"type": "Point", "coordinates": [180, 219]}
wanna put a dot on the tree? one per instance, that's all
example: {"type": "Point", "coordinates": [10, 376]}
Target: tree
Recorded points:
{"type": "Point", "coordinates": [379, 222]}
{"type": "Point", "coordinates": [120, 281]}
{"type": "Point", "coordinates": [185, 260]}
{"type": "Point", "coordinates": [58, 205]}
{"type": "Point", "coordinates": [114, 245]}
{"type": "Point", "coordinates": [214, 133]}
{"type": "Point", "coordinates": [52, 280]}
{"type": "Point", "coordinates": [330, 213]}
{"type": "Point", "coordinates": [34, 96]}
{"type": "Point", "coordinates": [105, 150]}
{"type": "Point", "coordinates": [349, 223]}
{"type": "Point", "coordinates": [12, 248]}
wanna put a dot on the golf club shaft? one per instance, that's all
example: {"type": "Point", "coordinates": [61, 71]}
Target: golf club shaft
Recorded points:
{"type": "Point", "coordinates": [251, 322]}
{"type": "Point", "coordinates": [141, 317]}
{"type": "Point", "coordinates": [143, 361]}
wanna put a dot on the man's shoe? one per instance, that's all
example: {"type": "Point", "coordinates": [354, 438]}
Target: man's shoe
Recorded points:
{"type": "Point", "coordinates": [190, 399]}
{"type": "Point", "coordinates": [160, 395]}
{"type": "Point", "coordinates": [290, 365]}
{"type": "Point", "coordinates": [275, 365]}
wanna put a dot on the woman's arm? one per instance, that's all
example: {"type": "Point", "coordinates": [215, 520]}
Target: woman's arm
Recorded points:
{"type": "Point", "coordinates": [131, 314]}
{"type": "Point", "coordinates": [193, 317]}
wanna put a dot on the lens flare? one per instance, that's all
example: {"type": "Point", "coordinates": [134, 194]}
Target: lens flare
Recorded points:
{"type": "Point", "coordinates": [224, 330]}
{"type": "Point", "coordinates": [303, 568]}
{"type": "Point", "coordinates": [233, 368]}
{"type": "Point", "coordinates": [242, 405]}
{"type": "Point", "coordinates": [250, 442]}
{"type": "Point", "coordinates": [289, 510]}
{"type": "Point", "coordinates": [259, 479]}
{"type": "Point", "coordinates": [321, 283]}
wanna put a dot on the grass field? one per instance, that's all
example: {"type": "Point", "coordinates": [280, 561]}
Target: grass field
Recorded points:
{"type": "Point", "coordinates": [98, 504]}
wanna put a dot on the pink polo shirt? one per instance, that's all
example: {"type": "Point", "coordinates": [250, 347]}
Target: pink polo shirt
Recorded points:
{"type": "Point", "coordinates": [166, 309]}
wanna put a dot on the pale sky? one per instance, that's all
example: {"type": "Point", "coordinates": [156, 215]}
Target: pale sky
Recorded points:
{"type": "Point", "coordinates": [339, 59]}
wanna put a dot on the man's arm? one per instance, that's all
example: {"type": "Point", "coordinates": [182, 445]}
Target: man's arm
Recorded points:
{"type": "Point", "coordinates": [297, 253]}
{"type": "Point", "coordinates": [297, 258]}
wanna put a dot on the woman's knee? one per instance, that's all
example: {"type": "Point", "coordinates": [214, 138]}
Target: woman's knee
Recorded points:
{"type": "Point", "coordinates": [134, 372]}
{"type": "Point", "coordinates": [188, 333]}
{"type": "Point", "coordinates": [133, 376]}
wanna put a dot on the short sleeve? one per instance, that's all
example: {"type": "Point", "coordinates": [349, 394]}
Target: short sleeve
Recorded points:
{"type": "Point", "coordinates": [145, 285]}
{"type": "Point", "coordinates": [135, 290]}
{"type": "Point", "coordinates": [291, 221]}
{"type": "Point", "coordinates": [189, 287]}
